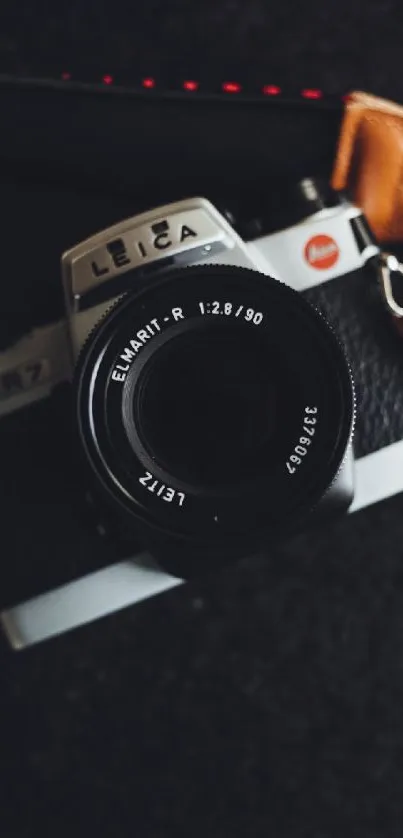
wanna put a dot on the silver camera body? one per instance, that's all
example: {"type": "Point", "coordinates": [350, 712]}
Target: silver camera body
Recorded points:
{"type": "Point", "coordinates": [96, 273]}
{"type": "Point", "coordinates": [99, 270]}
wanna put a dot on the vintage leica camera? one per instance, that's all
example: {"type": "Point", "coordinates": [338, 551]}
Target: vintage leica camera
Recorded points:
{"type": "Point", "coordinates": [211, 403]}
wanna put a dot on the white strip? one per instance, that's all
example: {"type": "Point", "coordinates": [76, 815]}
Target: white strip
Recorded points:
{"type": "Point", "coordinates": [84, 600]}
{"type": "Point", "coordinates": [378, 476]}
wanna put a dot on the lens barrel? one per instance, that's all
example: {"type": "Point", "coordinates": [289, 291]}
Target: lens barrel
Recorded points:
{"type": "Point", "coordinates": [215, 407]}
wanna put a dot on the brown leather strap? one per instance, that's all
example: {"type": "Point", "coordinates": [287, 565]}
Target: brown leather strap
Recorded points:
{"type": "Point", "coordinates": [369, 162]}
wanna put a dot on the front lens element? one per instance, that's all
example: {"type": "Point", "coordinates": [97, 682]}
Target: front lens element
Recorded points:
{"type": "Point", "coordinates": [207, 404]}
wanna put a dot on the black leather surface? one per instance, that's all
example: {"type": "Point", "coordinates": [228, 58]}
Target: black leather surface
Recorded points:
{"type": "Point", "coordinates": [354, 306]}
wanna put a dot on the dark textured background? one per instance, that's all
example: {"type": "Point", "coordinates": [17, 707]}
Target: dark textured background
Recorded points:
{"type": "Point", "coordinates": [336, 46]}
{"type": "Point", "coordinates": [267, 701]}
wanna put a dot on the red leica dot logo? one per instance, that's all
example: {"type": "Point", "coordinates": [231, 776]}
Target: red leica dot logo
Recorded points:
{"type": "Point", "coordinates": [321, 252]}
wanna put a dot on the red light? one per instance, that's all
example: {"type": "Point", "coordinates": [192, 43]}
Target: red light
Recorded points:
{"type": "Point", "coordinates": [107, 79]}
{"type": "Point", "coordinates": [346, 97]}
{"type": "Point", "coordinates": [148, 83]}
{"type": "Point", "coordinates": [271, 90]}
{"type": "Point", "coordinates": [231, 87]}
{"type": "Point", "coordinates": [190, 85]}
{"type": "Point", "coordinates": [311, 94]}
{"type": "Point", "coordinates": [66, 76]}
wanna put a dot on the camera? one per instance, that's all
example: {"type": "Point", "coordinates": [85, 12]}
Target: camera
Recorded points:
{"type": "Point", "coordinates": [212, 403]}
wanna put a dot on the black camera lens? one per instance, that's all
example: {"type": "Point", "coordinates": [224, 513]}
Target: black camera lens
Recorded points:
{"type": "Point", "coordinates": [215, 406]}
{"type": "Point", "coordinates": [218, 395]}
